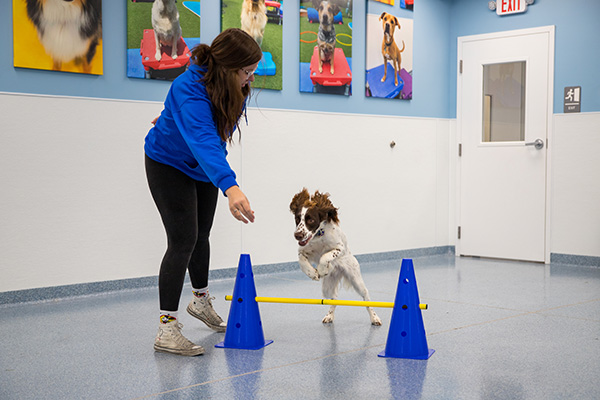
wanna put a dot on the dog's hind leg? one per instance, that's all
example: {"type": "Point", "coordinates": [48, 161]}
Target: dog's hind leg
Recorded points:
{"type": "Point", "coordinates": [361, 289]}
{"type": "Point", "coordinates": [331, 284]}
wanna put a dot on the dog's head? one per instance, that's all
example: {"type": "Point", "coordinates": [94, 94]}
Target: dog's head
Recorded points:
{"type": "Point", "coordinates": [390, 23]}
{"type": "Point", "coordinates": [327, 50]}
{"type": "Point", "coordinates": [327, 10]}
{"type": "Point", "coordinates": [311, 212]}
{"type": "Point", "coordinates": [255, 2]}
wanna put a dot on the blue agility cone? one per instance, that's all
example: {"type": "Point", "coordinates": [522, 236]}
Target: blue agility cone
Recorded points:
{"type": "Point", "coordinates": [244, 327]}
{"type": "Point", "coordinates": [406, 338]}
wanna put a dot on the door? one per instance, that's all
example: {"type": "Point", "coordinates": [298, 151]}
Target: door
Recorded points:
{"type": "Point", "coordinates": [504, 105]}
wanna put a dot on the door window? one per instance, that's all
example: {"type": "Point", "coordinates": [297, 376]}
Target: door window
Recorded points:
{"type": "Point", "coordinates": [504, 102]}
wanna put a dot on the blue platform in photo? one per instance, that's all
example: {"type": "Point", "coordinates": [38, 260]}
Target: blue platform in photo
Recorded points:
{"type": "Point", "coordinates": [193, 6]}
{"type": "Point", "coordinates": [387, 89]}
{"type": "Point", "coordinates": [135, 69]}
{"type": "Point", "coordinates": [306, 84]}
{"type": "Point", "coordinates": [266, 66]}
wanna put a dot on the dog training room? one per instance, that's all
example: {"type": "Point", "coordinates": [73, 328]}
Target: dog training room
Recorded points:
{"type": "Point", "coordinates": [389, 199]}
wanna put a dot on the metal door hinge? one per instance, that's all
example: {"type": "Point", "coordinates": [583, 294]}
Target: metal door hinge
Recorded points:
{"type": "Point", "coordinates": [459, 232]}
{"type": "Point", "coordinates": [460, 66]}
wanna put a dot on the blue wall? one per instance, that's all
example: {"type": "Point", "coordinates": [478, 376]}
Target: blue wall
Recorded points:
{"type": "Point", "coordinates": [577, 47]}
{"type": "Point", "coordinates": [437, 24]}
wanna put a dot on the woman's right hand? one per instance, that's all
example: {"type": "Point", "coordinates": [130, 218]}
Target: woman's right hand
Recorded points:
{"type": "Point", "coordinates": [239, 206]}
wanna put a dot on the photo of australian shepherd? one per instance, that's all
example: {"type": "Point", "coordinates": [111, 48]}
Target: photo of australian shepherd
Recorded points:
{"type": "Point", "coordinates": [69, 30]}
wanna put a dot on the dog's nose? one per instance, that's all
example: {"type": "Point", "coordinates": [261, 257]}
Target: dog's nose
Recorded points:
{"type": "Point", "coordinates": [298, 235]}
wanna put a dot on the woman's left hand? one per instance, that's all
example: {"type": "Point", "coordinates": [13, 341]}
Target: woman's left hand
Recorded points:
{"type": "Point", "coordinates": [239, 205]}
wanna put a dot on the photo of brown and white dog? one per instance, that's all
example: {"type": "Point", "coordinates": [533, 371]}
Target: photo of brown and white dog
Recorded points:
{"type": "Point", "coordinates": [389, 49]}
{"type": "Point", "coordinates": [68, 30]}
{"type": "Point", "coordinates": [323, 244]}
{"type": "Point", "coordinates": [167, 30]}
{"type": "Point", "coordinates": [254, 19]}
{"type": "Point", "coordinates": [326, 37]}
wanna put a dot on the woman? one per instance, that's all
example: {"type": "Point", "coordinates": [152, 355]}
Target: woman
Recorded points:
{"type": "Point", "coordinates": [186, 166]}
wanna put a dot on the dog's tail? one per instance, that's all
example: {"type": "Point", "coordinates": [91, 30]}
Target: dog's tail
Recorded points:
{"type": "Point", "coordinates": [403, 47]}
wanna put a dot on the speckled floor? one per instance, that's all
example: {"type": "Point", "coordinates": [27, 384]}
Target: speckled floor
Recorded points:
{"type": "Point", "coordinates": [501, 330]}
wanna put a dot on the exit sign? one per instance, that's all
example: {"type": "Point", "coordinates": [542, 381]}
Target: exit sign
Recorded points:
{"type": "Point", "coordinates": [506, 7]}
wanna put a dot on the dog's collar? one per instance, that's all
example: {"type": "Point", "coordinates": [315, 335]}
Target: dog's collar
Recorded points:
{"type": "Point", "coordinates": [388, 44]}
{"type": "Point", "coordinates": [320, 232]}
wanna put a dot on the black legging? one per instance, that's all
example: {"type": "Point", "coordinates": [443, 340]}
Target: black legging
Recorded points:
{"type": "Point", "coordinates": [187, 208]}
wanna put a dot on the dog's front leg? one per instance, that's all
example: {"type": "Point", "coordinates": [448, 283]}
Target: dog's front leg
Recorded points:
{"type": "Point", "coordinates": [332, 70]}
{"type": "Point", "coordinates": [158, 54]}
{"type": "Point", "coordinates": [174, 47]}
{"type": "Point", "coordinates": [320, 62]}
{"type": "Point", "coordinates": [384, 68]}
{"type": "Point", "coordinates": [307, 268]}
{"type": "Point", "coordinates": [324, 267]}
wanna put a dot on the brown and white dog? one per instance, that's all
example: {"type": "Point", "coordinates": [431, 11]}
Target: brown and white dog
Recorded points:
{"type": "Point", "coordinates": [254, 19]}
{"type": "Point", "coordinates": [323, 244]}
{"type": "Point", "coordinates": [69, 30]}
{"type": "Point", "coordinates": [167, 30]}
{"type": "Point", "coordinates": [326, 37]}
{"type": "Point", "coordinates": [389, 49]}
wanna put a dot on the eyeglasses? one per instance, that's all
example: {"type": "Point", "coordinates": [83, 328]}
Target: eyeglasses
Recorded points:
{"type": "Point", "coordinates": [248, 73]}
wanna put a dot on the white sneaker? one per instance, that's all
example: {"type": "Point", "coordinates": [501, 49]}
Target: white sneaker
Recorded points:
{"type": "Point", "coordinates": [202, 308]}
{"type": "Point", "coordinates": [170, 340]}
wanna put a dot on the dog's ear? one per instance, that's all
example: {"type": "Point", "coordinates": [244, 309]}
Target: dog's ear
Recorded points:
{"type": "Point", "coordinates": [335, 9]}
{"type": "Point", "coordinates": [332, 215]}
{"type": "Point", "coordinates": [327, 211]}
{"type": "Point", "coordinates": [316, 3]}
{"type": "Point", "coordinates": [298, 201]}
{"type": "Point", "coordinates": [396, 22]}
{"type": "Point", "coordinates": [382, 15]}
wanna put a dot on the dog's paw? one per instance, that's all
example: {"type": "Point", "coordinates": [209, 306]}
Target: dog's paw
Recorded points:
{"type": "Point", "coordinates": [314, 275]}
{"type": "Point", "coordinates": [375, 320]}
{"type": "Point", "coordinates": [158, 56]}
{"type": "Point", "coordinates": [328, 319]}
{"type": "Point", "coordinates": [324, 269]}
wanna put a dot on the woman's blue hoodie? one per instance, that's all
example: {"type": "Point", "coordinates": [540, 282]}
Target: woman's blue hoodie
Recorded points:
{"type": "Point", "coordinates": [185, 135]}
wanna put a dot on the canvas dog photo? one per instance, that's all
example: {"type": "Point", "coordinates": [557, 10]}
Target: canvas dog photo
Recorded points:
{"type": "Point", "coordinates": [263, 20]}
{"type": "Point", "coordinates": [160, 37]}
{"type": "Point", "coordinates": [326, 46]}
{"type": "Point", "coordinates": [58, 35]}
{"type": "Point", "coordinates": [389, 48]}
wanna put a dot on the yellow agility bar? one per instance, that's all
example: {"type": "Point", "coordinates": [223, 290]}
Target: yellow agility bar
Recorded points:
{"type": "Point", "coordinates": [353, 303]}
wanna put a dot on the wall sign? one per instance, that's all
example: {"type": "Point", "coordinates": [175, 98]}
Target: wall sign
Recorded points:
{"type": "Point", "coordinates": [572, 99]}
{"type": "Point", "coordinates": [507, 7]}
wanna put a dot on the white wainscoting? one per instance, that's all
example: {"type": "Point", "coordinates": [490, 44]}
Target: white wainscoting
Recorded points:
{"type": "Point", "coordinates": [576, 184]}
{"type": "Point", "coordinates": [75, 207]}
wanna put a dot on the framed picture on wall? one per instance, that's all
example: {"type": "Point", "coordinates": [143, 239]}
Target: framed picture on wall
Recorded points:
{"type": "Point", "coordinates": [160, 37]}
{"type": "Point", "coordinates": [326, 46]}
{"type": "Point", "coordinates": [389, 59]}
{"type": "Point", "coordinates": [73, 44]}
{"type": "Point", "coordinates": [263, 20]}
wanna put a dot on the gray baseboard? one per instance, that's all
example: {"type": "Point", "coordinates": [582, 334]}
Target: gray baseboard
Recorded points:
{"type": "Point", "coordinates": [573, 259]}
{"type": "Point", "coordinates": [92, 288]}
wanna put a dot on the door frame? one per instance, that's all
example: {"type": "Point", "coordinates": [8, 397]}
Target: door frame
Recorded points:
{"type": "Point", "coordinates": [549, 142]}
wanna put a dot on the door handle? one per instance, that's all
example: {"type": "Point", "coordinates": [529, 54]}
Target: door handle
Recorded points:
{"type": "Point", "coordinates": [537, 143]}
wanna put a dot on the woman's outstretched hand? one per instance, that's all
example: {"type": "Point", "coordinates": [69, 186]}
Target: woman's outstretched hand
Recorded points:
{"type": "Point", "coordinates": [239, 205]}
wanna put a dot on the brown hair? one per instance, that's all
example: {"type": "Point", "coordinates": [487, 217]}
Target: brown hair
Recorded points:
{"type": "Point", "coordinates": [231, 50]}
